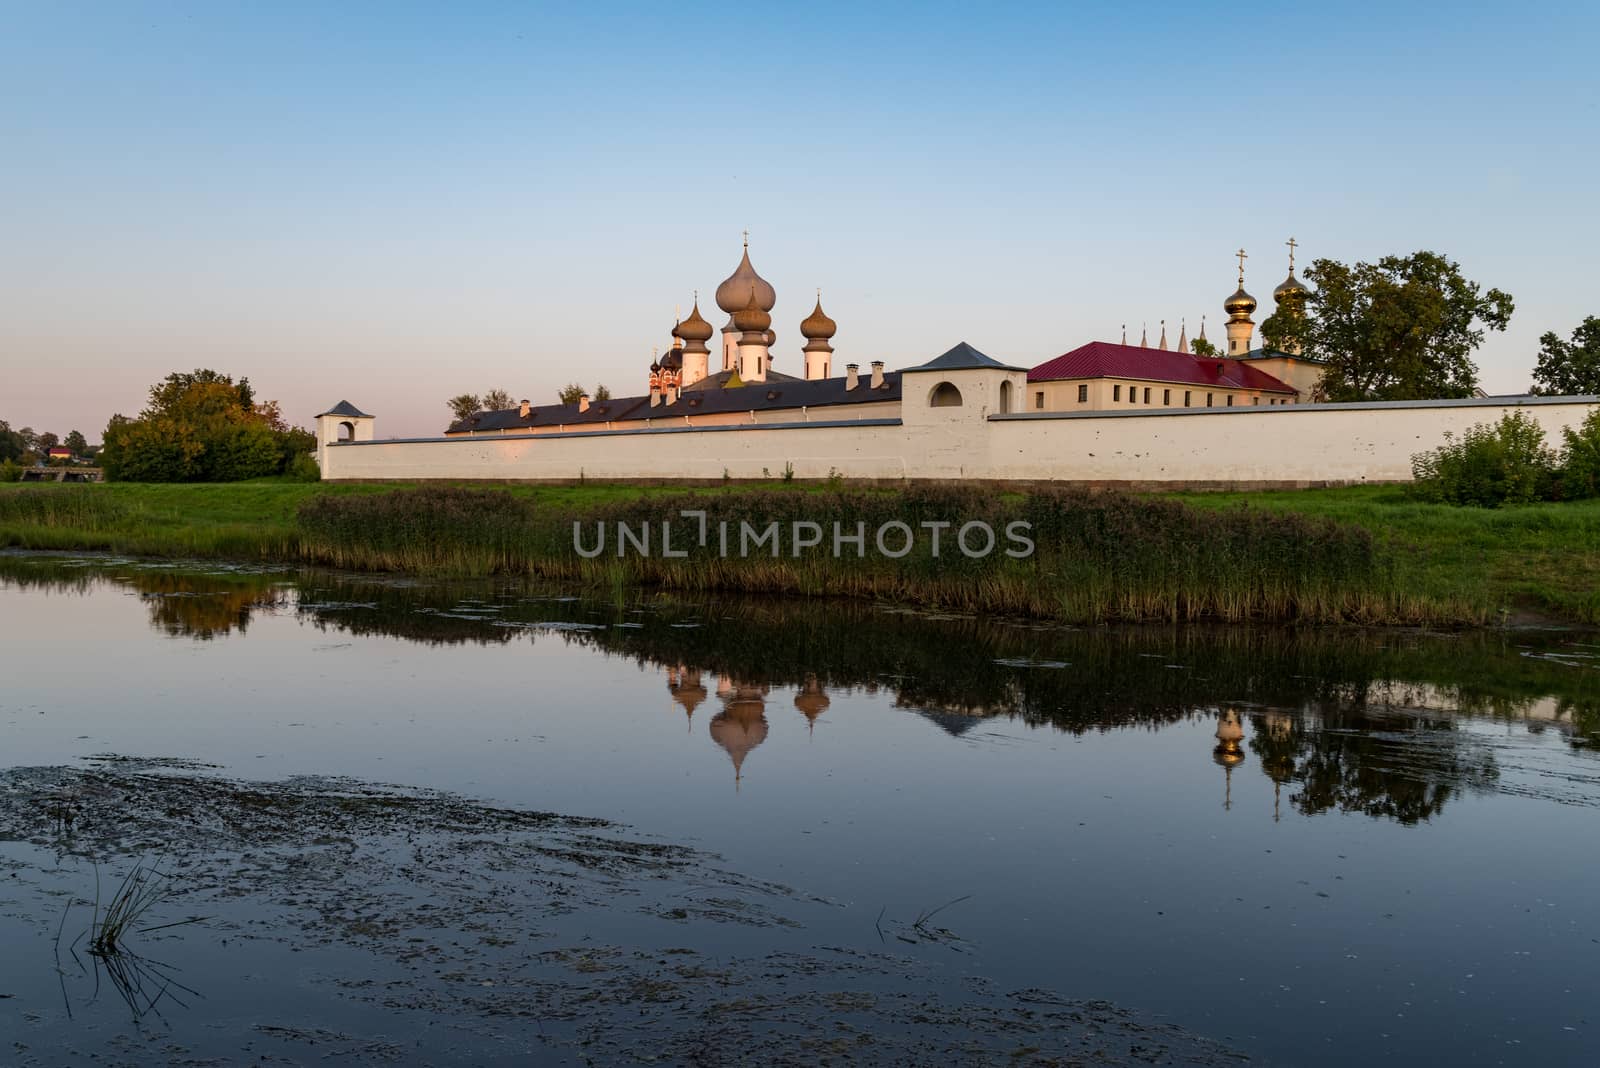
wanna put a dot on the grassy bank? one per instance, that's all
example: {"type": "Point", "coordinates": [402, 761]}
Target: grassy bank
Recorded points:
{"type": "Point", "coordinates": [1362, 554]}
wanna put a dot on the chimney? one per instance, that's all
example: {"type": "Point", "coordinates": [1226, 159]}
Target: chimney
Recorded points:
{"type": "Point", "coordinates": [583, 402]}
{"type": "Point", "coordinates": [851, 376]}
{"type": "Point", "coordinates": [523, 409]}
{"type": "Point", "coordinates": [877, 373]}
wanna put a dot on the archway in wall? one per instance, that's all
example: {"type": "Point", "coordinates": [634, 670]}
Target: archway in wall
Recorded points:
{"type": "Point", "coordinates": [1005, 397]}
{"type": "Point", "coordinates": [347, 432]}
{"type": "Point", "coordinates": [944, 395]}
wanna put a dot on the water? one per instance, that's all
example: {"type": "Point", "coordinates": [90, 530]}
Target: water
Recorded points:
{"type": "Point", "coordinates": [1312, 848]}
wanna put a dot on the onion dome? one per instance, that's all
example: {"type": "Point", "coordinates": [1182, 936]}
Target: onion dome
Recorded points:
{"type": "Point", "coordinates": [752, 318]}
{"type": "Point", "coordinates": [817, 326]}
{"type": "Point", "coordinates": [1290, 289]}
{"type": "Point", "coordinates": [1240, 305]}
{"type": "Point", "coordinates": [695, 328]}
{"type": "Point", "coordinates": [673, 360]}
{"type": "Point", "coordinates": [734, 292]}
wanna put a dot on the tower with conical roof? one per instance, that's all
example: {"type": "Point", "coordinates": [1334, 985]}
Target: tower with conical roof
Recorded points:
{"type": "Point", "coordinates": [817, 329]}
{"type": "Point", "coordinates": [695, 332]}
{"type": "Point", "coordinates": [1239, 306]}
{"type": "Point", "coordinates": [1183, 335]}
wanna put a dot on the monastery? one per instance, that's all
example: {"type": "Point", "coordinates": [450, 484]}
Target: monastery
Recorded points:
{"type": "Point", "coordinates": [1101, 413]}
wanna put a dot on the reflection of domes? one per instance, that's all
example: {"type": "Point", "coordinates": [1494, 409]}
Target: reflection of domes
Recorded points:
{"type": "Point", "coordinates": [741, 725]}
{"type": "Point", "coordinates": [811, 700]}
{"type": "Point", "coordinates": [1227, 758]}
{"type": "Point", "coordinates": [695, 328]}
{"type": "Point", "coordinates": [1230, 732]}
{"type": "Point", "coordinates": [1240, 305]}
{"type": "Point", "coordinates": [690, 693]}
{"type": "Point", "coordinates": [734, 292]}
{"type": "Point", "coordinates": [817, 326]}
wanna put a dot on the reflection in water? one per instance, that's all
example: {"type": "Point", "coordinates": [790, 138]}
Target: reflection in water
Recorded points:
{"type": "Point", "coordinates": [1357, 722]}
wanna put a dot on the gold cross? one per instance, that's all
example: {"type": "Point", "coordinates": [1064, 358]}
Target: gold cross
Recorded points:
{"type": "Point", "coordinates": [747, 239]}
{"type": "Point", "coordinates": [1292, 246]}
{"type": "Point", "coordinates": [1242, 257]}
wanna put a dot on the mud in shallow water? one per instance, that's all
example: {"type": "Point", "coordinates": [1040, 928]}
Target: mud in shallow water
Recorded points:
{"type": "Point", "coordinates": [423, 927]}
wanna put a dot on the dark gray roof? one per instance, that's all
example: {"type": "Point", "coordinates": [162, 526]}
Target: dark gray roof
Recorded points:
{"type": "Point", "coordinates": [345, 408]}
{"type": "Point", "coordinates": [772, 395]}
{"type": "Point", "coordinates": [963, 358]}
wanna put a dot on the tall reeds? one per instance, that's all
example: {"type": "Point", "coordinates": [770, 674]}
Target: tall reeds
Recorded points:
{"type": "Point", "coordinates": [1097, 557]}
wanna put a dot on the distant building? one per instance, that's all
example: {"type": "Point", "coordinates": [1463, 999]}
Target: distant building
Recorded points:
{"type": "Point", "coordinates": [60, 452]}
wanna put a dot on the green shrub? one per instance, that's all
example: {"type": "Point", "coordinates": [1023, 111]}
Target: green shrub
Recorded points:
{"type": "Point", "coordinates": [303, 468]}
{"type": "Point", "coordinates": [10, 471]}
{"type": "Point", "coordinates": [1507, 463]}
{"type": "Point", "coordinates": [1580, 459]}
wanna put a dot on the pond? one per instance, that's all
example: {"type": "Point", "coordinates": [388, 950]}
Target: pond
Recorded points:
{"type": "Point", "coordinates": [423, 822]}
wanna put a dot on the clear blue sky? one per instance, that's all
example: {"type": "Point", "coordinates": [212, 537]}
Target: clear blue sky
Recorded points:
{"type": "Point", "coordinates": [396, 203]}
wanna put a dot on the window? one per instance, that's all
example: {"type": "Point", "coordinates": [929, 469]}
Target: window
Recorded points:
{"type": "Point", "coordinates": [1186, 396]}
{"type": "Point", "coordinates": [944, 395]}
{"type": "Point", "coordinates": [1133, 394]}
{"type": "Point", "coordinates": [1230, 400]}
{"type": "Point", "coordinates": [1255, 400]}
{"type": "Point", "coordinates": [1083, 394]}
{"type": "Point", "coordinates": [1038, 398]}
{"type": "Point", "coordinates": [1005, 397]}
{"type": "Point", "coordinates": [1147, 394]}
{"type": "Point", "coordinates": [1116, 393]}
{"type": "Point", "coordinates": [1166, 397]}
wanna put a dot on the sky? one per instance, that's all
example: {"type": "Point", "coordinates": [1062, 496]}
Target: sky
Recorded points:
{"type": "Point", "coordinates": [394, 203]}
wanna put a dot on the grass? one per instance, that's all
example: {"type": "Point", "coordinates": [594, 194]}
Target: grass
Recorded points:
{"type": "Point", "coordinates": [1540, 560]}
{"type": "Point", "coordinates": [1266, 555]}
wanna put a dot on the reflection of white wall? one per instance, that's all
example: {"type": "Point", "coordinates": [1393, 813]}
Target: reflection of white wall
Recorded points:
{"type": "Point", "coordinates": [1295, 444]}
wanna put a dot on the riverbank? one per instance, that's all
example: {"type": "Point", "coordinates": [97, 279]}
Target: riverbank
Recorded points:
{"type": "Point", "coordinates": [1367, 555]}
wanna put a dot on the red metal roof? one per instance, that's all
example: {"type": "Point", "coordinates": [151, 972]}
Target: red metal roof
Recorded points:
{"type": "Point", "coordinates": [1102, 359]}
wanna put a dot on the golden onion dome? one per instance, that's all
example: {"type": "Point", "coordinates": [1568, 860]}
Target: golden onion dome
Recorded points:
{"type": "Point", "coordinates": [734, 292]}
{"type": "Point", "coordinates": [817, 326]}
{"type": "Point", "coordinates": [752, 318]}
{"type": "Point", "coordinates": [695, 328]}
{"type": "Point", "coordinates": [1290, 288]}
{"type": "Point", "coordinates": [1240, 305]}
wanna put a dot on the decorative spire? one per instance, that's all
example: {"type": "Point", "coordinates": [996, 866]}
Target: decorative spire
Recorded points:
{"type": "Point", "coordinates": [1243, 255]}
{"type": "Point", "coordinates": [1202, 326]}
{"type": "Point", "coordinates": [1183, 335]}
{"type": "Point", "coordinates": [1144, 340]}
{"type": "Point", "coordinates": [1124, 333]}
{"type": "Point", "coordinates": [1163, 334]}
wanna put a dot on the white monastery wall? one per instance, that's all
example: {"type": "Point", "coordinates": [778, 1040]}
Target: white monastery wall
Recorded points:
{"type": "Point", "coordinates": [1293, 444]}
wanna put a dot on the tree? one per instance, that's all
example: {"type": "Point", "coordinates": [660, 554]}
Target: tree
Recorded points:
{"type": "Point", "coordinates": [1401, 329]}
{"type": "Point", "coordinates": [601, 393]}
{"type": "Point", "coordinates": [497, 400]}
{"type": "Point", "coordinates": [1569, 367]}
{"type": "Point", "coordinates": [201, 427]}
{"type": "Point", "coordinates": [47, 441]}
{"type": "Point", "coordinates": [1203, 348]}
{"type": "Point", "coordinates": [77, 443]}
{"type": "Point", "coordinates": [464, 406]}
{"type": "Point", "coordinates": [11, 444]}
{"type": "Point", "coordinates": [571, 392]}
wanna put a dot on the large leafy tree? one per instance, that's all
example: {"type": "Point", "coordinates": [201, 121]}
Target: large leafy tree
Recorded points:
{"type": "Point", "coordinates": [11, 444]}
{"type": "Point", "coordinates": [1569, 367]}
{"type": "Point", "coordinates": [1403, 328]}
{"type": "Point", "coordinates": [76, 442]}
{"type": "Point", "coordinates": [571, 392]}
{"type": "Point", "coordinates": [463, 405]}
{"type": "Point", "coordinates": [497, 400]}
{"type": "Point", "coordinates": [201, 427]}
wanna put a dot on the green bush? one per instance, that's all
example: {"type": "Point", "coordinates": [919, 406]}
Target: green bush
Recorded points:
{"type": "Point", "coordinates": [10, 471]}
{"type": "Point", "coordinates": [303, 468]}
{"type": "Point", "coordinates": [1580, 459]}
{"type": "Point", "coordinates": [1507, 463]}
